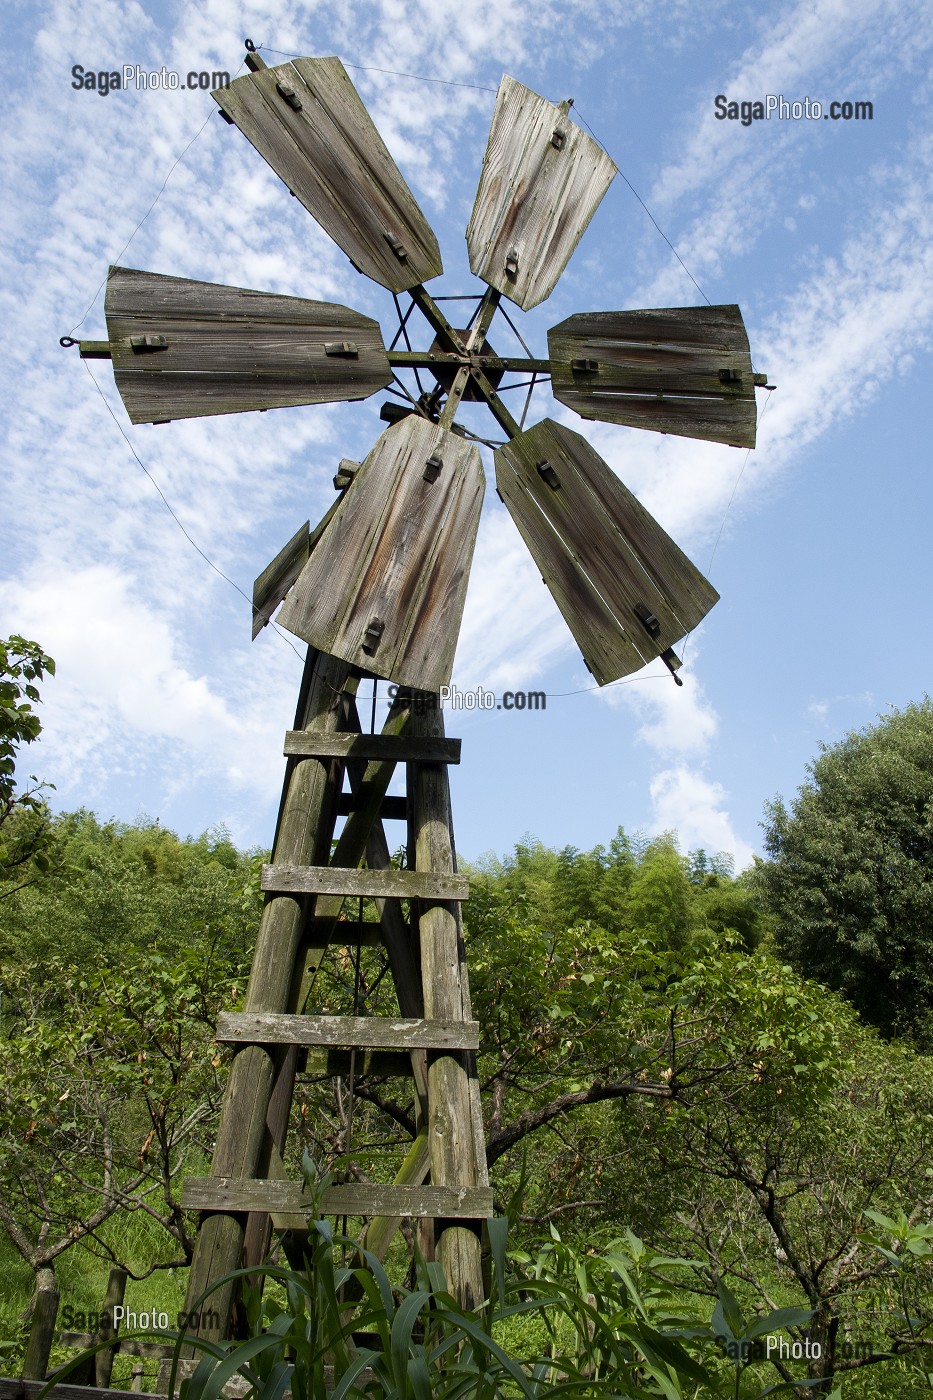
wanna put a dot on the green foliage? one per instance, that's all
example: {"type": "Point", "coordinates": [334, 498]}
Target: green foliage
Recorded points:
{"type": "Point", "coordinates": [850, 879]}
{"type": "Point", "coordinates": [24, 816]}
{"type": "Point", "coordinates": [114, 968]}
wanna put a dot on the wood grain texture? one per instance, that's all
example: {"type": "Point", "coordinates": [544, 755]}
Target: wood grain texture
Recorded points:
{"type": "Point", "coordinates": [368, 1032]}
{"type": "Point", "coordinates": [331, 157]}
{"type": "Point", "coordinates": [232, 350]}
{"type": "Point", "coordinates": [534, 199]}
{"type": "Point", "coordinates": [392, 748]}
{"type": "Point", "coordinates": [303, 836]}
{"type": "Point", "coordinates": [31, 1389]}
{"type": "Point", "coordinates": [455, 1126]}
{"type": "Point", "coordinates": [277, 577]}
{"type": "Point", "coordinates": [599, 551]}
{"type": "Point", "coordinates": [355, 1198]}
{"type": "Point", "coordinates": [659, 370]}
{"type": "Point", "coordinates": [370, 884]}
{"type": "Point", "coordinates": [398, 550]}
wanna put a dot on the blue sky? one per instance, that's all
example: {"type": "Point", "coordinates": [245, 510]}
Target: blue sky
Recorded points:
{"type": "Point", "coordinates": [817, 541]}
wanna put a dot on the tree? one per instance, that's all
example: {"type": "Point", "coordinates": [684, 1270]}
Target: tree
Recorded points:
{"type": "Point", "coordinates": [24, 816]}
{"type": "Point", "coordinates": [112, 971]}
{"type": "Point", "coordinates": [850, 879]}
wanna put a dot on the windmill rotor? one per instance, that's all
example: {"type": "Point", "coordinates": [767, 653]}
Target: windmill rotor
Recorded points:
{"type": "Point", "coordinates": [381, 582]}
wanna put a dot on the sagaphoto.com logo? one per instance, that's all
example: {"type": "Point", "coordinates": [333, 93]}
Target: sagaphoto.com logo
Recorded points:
{"type": "Point", "coordinates": [775, 106]}
{"type": "Point", "coordinates": [131, 77]}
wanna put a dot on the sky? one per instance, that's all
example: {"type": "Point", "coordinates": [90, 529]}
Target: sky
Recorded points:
{"type": "Point", "coordinates": [817, 540]}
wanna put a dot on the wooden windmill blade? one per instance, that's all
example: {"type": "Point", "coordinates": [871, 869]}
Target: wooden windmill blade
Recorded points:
{"type": "Point", "coordinates": [307, 121]}
{"type": "Point", "coordinates": [684, 370]}
{"type": "Point", "coordinates": [186, 349]}
{"type": "Point", "coordinates": [625, 589]}
{"type": "Point", "coordinates": [384, 587]}
{"type": "Point", "coordinates": [541, 182]}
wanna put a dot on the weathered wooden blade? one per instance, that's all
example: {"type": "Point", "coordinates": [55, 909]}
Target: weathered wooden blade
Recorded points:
{"type": "Point", "coordinates": [385, 586]}
{"type": "Point", "coordinates": [626, 591]}
{"type": "Point", "coordinates": [541, 182]}
{"type": "Point", "coordinates": [683, 370]}
{"type": "Point", "coordinates": [184, 349]}
{"type": "Point", "coordinates": [307, 120]}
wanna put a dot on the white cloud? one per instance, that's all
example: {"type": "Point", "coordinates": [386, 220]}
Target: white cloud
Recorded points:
{"type": "Point", "coordinates": [686, 801]}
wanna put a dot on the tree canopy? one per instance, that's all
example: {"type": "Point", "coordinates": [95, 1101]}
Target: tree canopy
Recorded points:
{"type": "Point", "coordinates": [849, 883]}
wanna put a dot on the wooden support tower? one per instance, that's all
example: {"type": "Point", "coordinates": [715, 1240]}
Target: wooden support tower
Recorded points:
{"type": "Point", "coordinates": [443, 1180]}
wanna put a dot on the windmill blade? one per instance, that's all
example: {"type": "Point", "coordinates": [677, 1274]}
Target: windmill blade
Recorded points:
{"type": "Point", "coordinates": [307, 121]}
{"type": "Point", "coordinates": [684, 370]}
{"type": "Point", "coordinates": [626, 591]}
{"type": "Point", "coordinates": [385, 586]}
{"type": "Point", "coordinates": [541, 182]}
{"type": "Point", "coordinates": [185, 349]}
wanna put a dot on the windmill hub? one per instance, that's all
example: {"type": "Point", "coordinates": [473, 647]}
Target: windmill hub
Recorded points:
{"type": "Point", "coordinates": [445, 371]}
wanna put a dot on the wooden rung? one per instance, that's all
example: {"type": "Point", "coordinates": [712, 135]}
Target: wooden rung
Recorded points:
{"type": "Point", "coordinates": [388, 1064]}
{"type": "Point", "coordinates": [370, 884]}
{"type": "Point", "coordinates": [378, 748]}
{"type": "Point", "coordinates": [355, 1198]}
{"type": "Point", "coordinates": [30, 1390]}
{"type": "Point", "coordinates": [368, 1032]}
{"type": "Point", "coordinates": [393, 809]}
{"type": "Point", "coordinates": [348, 933]}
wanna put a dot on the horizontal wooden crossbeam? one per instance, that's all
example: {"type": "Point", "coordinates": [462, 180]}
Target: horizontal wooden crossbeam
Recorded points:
{"type": "Point", "coordinates": [379, 748]}
{"type": "Point", "coordinates": [366, 884]}
{"type": "Point", "coordinates": [392, 809]}
{"type": "Point", "coordinates": [371, 1032]}
{"type": "Point", "coordinates": [355, 1198]}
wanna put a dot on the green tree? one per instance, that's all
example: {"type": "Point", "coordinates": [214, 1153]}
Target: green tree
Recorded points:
{"type": "Point", "coordinates": [112, 971]}
{"type": "Point", "coordinates": [24, 816]}
{"type": "Point", "coordinates": [850, 877]}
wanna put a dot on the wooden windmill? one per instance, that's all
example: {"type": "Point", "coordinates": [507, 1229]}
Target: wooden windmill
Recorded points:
{"type": "Point", "coordinates": [378, 589]}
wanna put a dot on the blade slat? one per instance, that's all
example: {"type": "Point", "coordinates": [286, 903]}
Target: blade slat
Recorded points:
{"type": "Point", "coordinates": [599, 551]}
{"type": "Point", "coordinates": [331, 156]}
{"type": "Point", "coordinates": [534, 198]}
{"type": "Point", "coordinates": [659, 370]}
{"type": "Point", "coordinates": [398, 550]}
{"type": "Point", "coordinates": [231, 350]}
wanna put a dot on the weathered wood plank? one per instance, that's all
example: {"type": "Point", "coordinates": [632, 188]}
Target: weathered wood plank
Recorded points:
{"type": "Point", "coordinates": [331, 157]}
{"type": "Point", "coordinates": [684, 370]}
{"type": "Point", "coordinates": [368, 884]}
{"type": "Point", "coordinates": [393, 809]}
{"type": "Point", "coordinates": [385, 588]}
{"type": "Point", "coordinates": [541, 182]}
{"type": "Point", "coordinates": [382, 748]}
{"type": "Point", "coordinates": [30, 1390]}
{"type": "Point", "coordinates": [455, 1136]}
{"type": "Point", "coordinates": [232, 350]}
{"type": "Point", "coordinates": [277, 577]}
{"type": "Point", "coordinates": [602, 555]}
{"type": "Point", "coordinates": [354, 1198]}
{"type": "Point", "coordinates": [369, 1032]}
{"type": "Point", "coordinates": [304, 832]}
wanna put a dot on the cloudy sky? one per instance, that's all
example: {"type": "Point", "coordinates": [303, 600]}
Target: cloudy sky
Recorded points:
{"type": "Point", "coordinates": [817, 541]}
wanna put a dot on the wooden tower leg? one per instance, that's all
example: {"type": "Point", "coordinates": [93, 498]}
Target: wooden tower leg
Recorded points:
{"type": "Point", "coordinates": [247, 1191]}
{"type": "Point", "coordinates": [455, 1147]}
{"type": "Point", "coordinates": [306, 823]}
